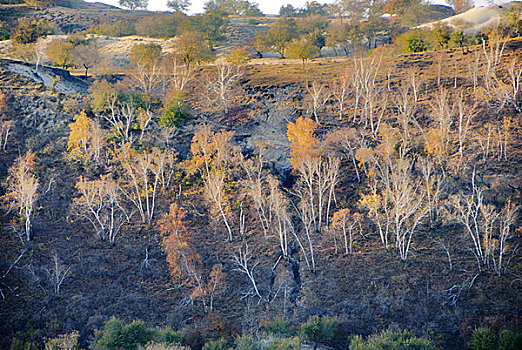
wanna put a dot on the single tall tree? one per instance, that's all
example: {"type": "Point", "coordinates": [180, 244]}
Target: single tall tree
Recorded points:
{"type": "Point", "coordinates": [22, 187]}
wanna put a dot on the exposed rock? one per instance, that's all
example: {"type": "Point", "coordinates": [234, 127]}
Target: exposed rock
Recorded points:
{"type": "Point", "coordinates": [52, 78]}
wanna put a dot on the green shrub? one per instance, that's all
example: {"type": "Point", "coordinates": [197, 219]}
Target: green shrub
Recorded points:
{"type": "Point", "coordinates": [117, 29]}
{"type": "Point", "coordinates": [216, 345]}
{"type": "Point", "coordinates": [28, 31]}
{"type": "Point", "coordinates": [412, 41]}
{"type": "Point", "coordinates": [18, 344]}
{"type": "Point", "coordinates": [167, 336]}
{"type": "Point", "coordinates": [483, 339]}
{"type": "Point", "coordinates": [278, 327]}
{"type": "Point", "coordinates": [323, 330]}
{"type": "Point", "coordinates": [5, 31]}
{"type": "Point", "coordinates": [246, 342]}
{"type": "Point", "coordinates": [116, 335]}
{"type": "Point", "coordinates": [293, 343]}
{"type": "Point", "coordinates": [508, 340]}
{"type": "Point", "coordinates": [174, 113]}
{"type": "Point", "coordinates": [391, 340]}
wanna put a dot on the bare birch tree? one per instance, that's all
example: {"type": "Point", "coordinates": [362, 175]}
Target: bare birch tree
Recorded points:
{"type": "Point", "coordinates": [215, 195]}
{"type": "Point", "coordinates": [245, 263]}
{"type": "Point", "coordinates": [507, 219]}
{"type": "Point", "coordinates": [5, 131]}
{"type": "Point", "coordinates": [347, 222]}
{"type": "Point", "coordinates": [147, 173]}
{"type": "Point", "coordinates": [318, 95]}
{"type": "Point", "coordinates": [341, 93]}
{"type": "Point", "coordinates": [100, 204]}
{"type": "Point", "coordinates": [22, 189]}
{"type": "Point", "coordinates": [221, 86]}
{"type": "Point", "coordinates": [57, 273]}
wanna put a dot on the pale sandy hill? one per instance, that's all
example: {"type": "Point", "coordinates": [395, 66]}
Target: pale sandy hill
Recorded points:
{"type": "Point", "coordinates": [475, 19]}
{"type": "Point", "coordinates": [115, 51]}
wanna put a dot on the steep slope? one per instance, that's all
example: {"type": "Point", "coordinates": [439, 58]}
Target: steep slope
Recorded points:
{"type": "Point", "coordinates": [369, 290]}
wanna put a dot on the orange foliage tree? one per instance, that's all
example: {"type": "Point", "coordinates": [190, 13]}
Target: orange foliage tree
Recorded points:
{"type": "Point", "coordinates": [184, 262]}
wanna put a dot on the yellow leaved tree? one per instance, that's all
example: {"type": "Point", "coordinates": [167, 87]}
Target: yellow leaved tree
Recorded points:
{"type": "Point", "coordinates": [318, 176]}
{"type": "Point", "coordinates": [304, 145]}
{"type": "Point", "coordinates": [86, 139]}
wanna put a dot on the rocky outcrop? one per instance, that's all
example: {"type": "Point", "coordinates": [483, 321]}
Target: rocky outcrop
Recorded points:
{"type": "Point", "coordinates": [52, 78]}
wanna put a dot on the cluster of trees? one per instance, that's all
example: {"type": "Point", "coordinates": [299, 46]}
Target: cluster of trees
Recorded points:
{"type": "Point", "coordinates": [359, 23]}
{"type": "Point", "coordinates": [310, 8]}
{"type": "Point", "coordinates": [228, 7]}
{"type": "Point", "coordinates": [234, 7]}
{"type": "Point", "coordinates": [273, 334]}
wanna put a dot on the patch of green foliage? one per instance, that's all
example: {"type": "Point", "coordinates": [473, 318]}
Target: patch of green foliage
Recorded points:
{"type": "Point", "coordinates": [246, 342]}
{"type": "Point", "coordinates": [117, 335]}
{"type": "Point", "coordinates": [391, 340]}
{"type": "Point", "coordinates": [323, 330]}
{"type": "Point", "coordinates": [174, 114]}
{"type": "Point", "coordinates": [216, 345]}
{"type": "Point", "coordinates": [485, 339]}
{"type": "Point", "coordinates": [117, 29]}
{"type": "Point", "coordinates": [28, 31]}
{"type": "Point", "coordinates": [278, 327]}
{"type": "Point", "coordinates": [283, 344]}
{"type": "Point", "coordinates": [412, 41]}
{"type": "Point", "coordinates": [5, 32]}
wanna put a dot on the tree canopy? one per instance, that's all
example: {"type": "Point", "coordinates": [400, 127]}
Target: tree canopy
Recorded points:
{"type": "Point", "coordinates": [134, 4]}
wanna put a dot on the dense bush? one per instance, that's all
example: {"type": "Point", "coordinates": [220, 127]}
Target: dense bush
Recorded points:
{"type": "Point", "coordinates": [216, 345]}
{"type": "Point", "coordinates": [412, 41]}
{"type": "Point", "coordinates": [5, 31]}
{"type": "Point", "coordinates": [485, 339]}
{"type": "Point", "coordinates": [165, 26]}
{"type": "Point", "coordinates": [278, 327]}
{"type": "Point", "coordinates": [167, 336]}
{"type": "Point", "coordinates": [116, 335]}
{"type": "Point", "coordinates": [174, 113]}
{"type": "Point", "coordinates": [246, 342]}
{"type": "Point", "coordinates": [28, 31]}
{"type": "Point", "coordinates": [268, 343]}
{"type": "Point", "coordinates": [117, 29]}
{"type": "Point", "coordinates": [323, 330]}
{"type": "Point", "coordinates": [391, 340]}
{"type": "Point", "coordinates": [282, 344]}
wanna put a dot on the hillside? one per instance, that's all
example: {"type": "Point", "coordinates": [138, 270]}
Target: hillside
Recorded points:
{"type": "Point", "coordinates": [71, 16]}
{"type": "Point", "coordinates": [474, 20]}
{"type": "Point", "coordinates": [369, 290]}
